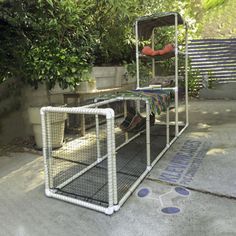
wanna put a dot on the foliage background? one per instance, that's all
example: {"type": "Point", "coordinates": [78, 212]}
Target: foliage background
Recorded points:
{"type": "Point", "coordinates": [217, 21]}
{"type": "Point", "coordinates": [60, 40]}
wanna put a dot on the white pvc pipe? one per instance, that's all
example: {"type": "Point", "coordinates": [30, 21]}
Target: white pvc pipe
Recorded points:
{"type": "Point", "coordinates": [148, 141]}
{"type": "Point", "coordinates": [167, 147]}
{"type": "Point", "coordinates": [153, 59]}
{"type": "Point", "coordinates": [159, 156]}
{"type": "Point", "coordinates": [80, 173]}
{"type": "Point", "coordinates": [184, 128]}
{"type": "Point", "coordinates": [157, 88]}
{"type": "Point", "coordinates": [137, 53]}
{"type": "Point", "coordinates": [97, 134]}
{"type": "Point", "coordinates": [98, 137]}
{"type": "Point", "coordinates": [128, 141]}
{"type": "Point", "coordinates": [108, 112]}
{"type": "Point", "coordinates": [114, 172]}
{"type": "Point", "coordinates": [49, 148]}
{"type": "Point", "coordinates": [139, 180]}
{"type": "Point", "coordinates": [110, 153]}
{"type": "Point", "coordinates": [101, 103]}
{"type": "Point", "coordinates": [176, 78]}
{"type": "Point", "coordinates": [125, 114]}
{"type": "Point", "coordinates": [186, 72]}
{"type": "Point", "coordinates": [132, 188]}
{"type": "Point", "coordinates": [118, 98]}
{"type": "Point", "coordinates": [45, 150]}
{"type": "Point", "coordinates": [168, 126]}
{"type": "Point", "coordinates": [105, 210]}
{"type": "Point", "coordinates": [112, 178]}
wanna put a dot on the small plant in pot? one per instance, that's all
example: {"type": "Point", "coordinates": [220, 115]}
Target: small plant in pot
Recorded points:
{"type": "Point", "coordinates": [59, 55]}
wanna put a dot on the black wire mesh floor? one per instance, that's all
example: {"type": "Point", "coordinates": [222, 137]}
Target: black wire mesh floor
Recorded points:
{"type": "Point", "coordinates": [92, 186]}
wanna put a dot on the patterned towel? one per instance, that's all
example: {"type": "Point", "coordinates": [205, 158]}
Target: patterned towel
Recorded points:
{"type": "Point", "coordinates": [159, 99]}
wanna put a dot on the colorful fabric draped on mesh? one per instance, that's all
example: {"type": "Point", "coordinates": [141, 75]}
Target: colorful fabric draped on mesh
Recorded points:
{"type": "Point", "coordinates": [159, 99]}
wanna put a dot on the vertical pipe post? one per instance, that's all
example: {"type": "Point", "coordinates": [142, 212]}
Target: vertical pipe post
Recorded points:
{"type": "Point", "coordinates": [137, 54]}
{"type": "Point", "coordinates": [49, 147]}
{"type": "Point", "coordinates": [167, 127]}
{"type": "Point", "coordinates": [186, 73]}
{"type": "Point", "coordinates": [176, 78]}
{"type": "Point", "coordinates": [115, 195]}
{"type": "Point", "coordinates": [153, 59]}
{"type": "Point", "coordinates": [97, 137]}
{"type": "Point", "coordinates": [82, 120]}
{"type": "Point", "coordinates": [97, 134]}
{"type": "Point", "coordinates": [125, 114]}
{"type": "Point", "coordinates": [148, 143]}
{"type": "Point", "coordinates": [110, 162]}
{"type": "Point", "coordinates": [45, 150]}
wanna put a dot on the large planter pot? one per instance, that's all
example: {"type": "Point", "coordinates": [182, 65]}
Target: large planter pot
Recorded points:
{"type": "Point", "coordinates": [57, 126]}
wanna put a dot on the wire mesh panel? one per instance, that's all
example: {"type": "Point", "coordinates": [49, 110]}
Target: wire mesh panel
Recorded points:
{"type": "Point", "coordinates": [100, 168]}
{"type": "Point", "coordinates": [77, 155]}
{"type": "Point", "coordinates": [72, 166]}
{"type": "Point", "coordinates": [131, 159]}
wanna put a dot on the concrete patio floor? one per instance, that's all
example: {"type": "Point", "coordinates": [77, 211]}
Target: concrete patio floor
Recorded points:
{"type": "Point", "coordinates": [207, 204]}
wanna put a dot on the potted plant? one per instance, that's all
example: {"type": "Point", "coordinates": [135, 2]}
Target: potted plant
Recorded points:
{"type": "Point", "coordinates": [57, 125]}
{"type": "Point", "coordinates": [53, 47]}
{"type": "Point", "coordinates": [60, 55]}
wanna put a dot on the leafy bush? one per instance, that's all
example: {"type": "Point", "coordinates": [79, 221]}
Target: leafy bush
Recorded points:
{"type": "Point", "coordinates": [58, 40]}
{"type": "Point", "coordinates": [145, 72]}
{"type": "Point", "coordinates": [208, 4]}
{"type": "Point", "coordinates": [55, 43]}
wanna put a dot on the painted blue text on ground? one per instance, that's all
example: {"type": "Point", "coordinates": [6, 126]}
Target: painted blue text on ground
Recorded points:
{"type": "Point", "coordinates": [185, 163]}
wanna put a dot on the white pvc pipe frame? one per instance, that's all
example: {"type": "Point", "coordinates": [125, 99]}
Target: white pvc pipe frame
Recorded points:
{"type": "Point", "coordinates": [176, 69]}
{"type": "Point", "coordinates": [113, 204]}
{"type": "Point", "coordinates": [47, 149]}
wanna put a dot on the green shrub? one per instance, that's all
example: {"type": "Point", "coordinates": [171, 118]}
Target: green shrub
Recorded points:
{"type": "Point", "coordinates": [54, 42]}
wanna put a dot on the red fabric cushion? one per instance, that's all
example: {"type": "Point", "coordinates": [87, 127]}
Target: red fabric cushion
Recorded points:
{"type": "Point", "coordinates": [150, 52]}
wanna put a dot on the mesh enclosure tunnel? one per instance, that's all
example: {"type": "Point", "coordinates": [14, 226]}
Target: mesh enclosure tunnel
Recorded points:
{"type": "Point", "coordinates": [102, 168]}
{"type": "Point", "coordinates": [99, 170]}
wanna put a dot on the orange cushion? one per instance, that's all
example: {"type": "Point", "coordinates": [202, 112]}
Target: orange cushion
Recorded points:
{"type": "Point", "coordinates": [148, 51]}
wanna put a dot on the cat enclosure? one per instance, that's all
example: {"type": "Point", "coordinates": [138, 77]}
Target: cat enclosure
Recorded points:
{"type": "Point", "coordinates": [101, 169]}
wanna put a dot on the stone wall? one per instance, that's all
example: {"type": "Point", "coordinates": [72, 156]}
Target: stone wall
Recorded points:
{"type": "Point", "coordinates": [111, 76]}
{"type": "Point", "coordinates": [15, 98]}
{"type": "Point", "coordinates": [10, 110]}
